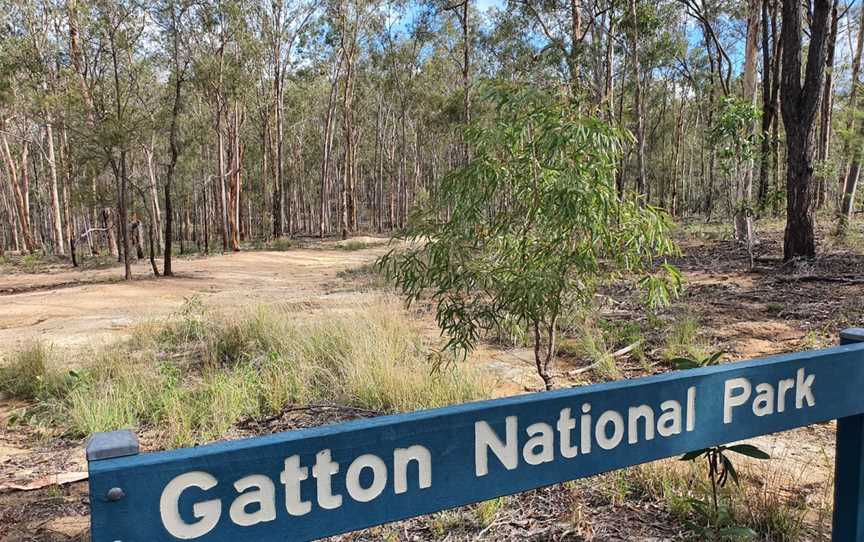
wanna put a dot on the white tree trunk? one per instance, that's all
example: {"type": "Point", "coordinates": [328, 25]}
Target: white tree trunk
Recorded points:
{"type": "Point", "coordinates": [743, 212]}
{"type": "Point", "coordinates": [57, 217]}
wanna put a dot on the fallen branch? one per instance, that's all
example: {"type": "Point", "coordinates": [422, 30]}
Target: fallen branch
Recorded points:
{"type": "Point", "coordinates": [88, 232]}
{"type": "Point", "coordinates": [626, 350]}
{"type": "Point", "coordinates": [616, 354]}
{"type": "Point", "coordinates": [581, 370]}
{"type": "Point", "coordinates": [275, 417]}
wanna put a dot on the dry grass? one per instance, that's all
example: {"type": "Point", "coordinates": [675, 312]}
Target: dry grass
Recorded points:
{"type": "Point", "coordinates": [195, 375]}
{"type": "Point", "coordinates": [765, 501]}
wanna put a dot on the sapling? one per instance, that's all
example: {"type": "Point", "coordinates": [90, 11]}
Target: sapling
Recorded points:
{"type": "Point", "coordinates": [694, 363]}
{"type": "Point", "coordinates": [720, 470]}
{"type": "Point", "coordinates": [529, 228]}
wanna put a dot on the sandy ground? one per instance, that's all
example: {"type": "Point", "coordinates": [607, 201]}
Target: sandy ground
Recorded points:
{"type": "Point", "coordinates": [80, 308]}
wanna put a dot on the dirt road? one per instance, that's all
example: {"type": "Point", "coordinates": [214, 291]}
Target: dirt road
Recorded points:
{"type": "Point", "coordinates": [82, 308]}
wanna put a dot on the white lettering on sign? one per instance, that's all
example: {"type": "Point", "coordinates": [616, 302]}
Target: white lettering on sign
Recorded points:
{"type": "Point", "coordinates": [402, 457]}
{"type": "Point", "coordinates": [500, 443]}
{"type": "Point", "coordinates": [291, 478]}
{"type": "Point", "coordinates": [485, 439]}
{"type": "Point", "coordinates": [641, 423]}
{"type": "Point", "coordinates": [769, 399]}
{"type": "Point", "coordinates": [206, 512]}
{"type": "Point", "coordinates": [379, 478]}
{"type": "Point", "coordinates": [256, 494]}
{"type": "Point", "coordinates": [264, 498]}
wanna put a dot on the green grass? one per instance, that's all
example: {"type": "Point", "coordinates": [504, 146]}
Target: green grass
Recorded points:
{"type": "Point", "coordinates": [280, 244]}
{"type": "Point", "coordinates": [37, 262]}
{"type": "Point", "coordinates": [486, 511]}
{"type": "Point", "coordinates": [591, 344]}
{"type": "Point", "coordinates": [191, 378]}
{"type": "Point", "coordinates": [714, 231]}
{"type": "Point", "coordinates": [760, 503]}
{"type": "Point", "coordinates": [850, 239]}
{"type": "Point", "coordinates": [683, 340]}
{"type": "Point", "coordinates": [29, 374]}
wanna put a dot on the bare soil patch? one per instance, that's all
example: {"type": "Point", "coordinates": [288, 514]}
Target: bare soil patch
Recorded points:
{"type": "Point", "coordinates": [79, 308]}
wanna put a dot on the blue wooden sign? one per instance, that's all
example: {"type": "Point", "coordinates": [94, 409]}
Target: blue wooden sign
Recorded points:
{"type": "Point", "coordinates": [308, 484]}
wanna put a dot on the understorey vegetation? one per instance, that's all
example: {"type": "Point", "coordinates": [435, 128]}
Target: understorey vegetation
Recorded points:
{"type": "Point", "coordinates": [190, 378]}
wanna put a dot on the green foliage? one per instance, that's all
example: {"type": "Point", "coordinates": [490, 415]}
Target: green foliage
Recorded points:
{"type": "Point", "coordinates": [535, 224]}
{"type": "Point", "coordinates": [715, 517]}
{"type": "Point", "coordinates": [732, 134]}
{"type": "Point", "coordinates": [29, 374]}
{"type": "Point", "coordinates": [735, 139]}
{"type": "Point", "coordinates": [694, 363]}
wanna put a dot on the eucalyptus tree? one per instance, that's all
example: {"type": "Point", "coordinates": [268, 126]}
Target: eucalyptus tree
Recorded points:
{"type": "Point", "coordinates": [227, 43]}
{"type": "Point", "coordinates": [799, 104]}
{"type": "Point", "coordinates": [30, 71]}
{"type": "Point", "coordinates": [121, 26]}
{"type": "Point", "coordinates": [743, 216]}
{"type": "Point", "coordinates": [174, 18]}
{"type": "Point", "coordinates": [536, 225]}
{"type": "Point", "coordinates": [43, 49]}
{"type": "Point", "coordinates": [849, 174]}
{"type": "Point", "coordinates": [282, 24]}
{"type": "Point", "coordinates": [351, 18]}
{"type": "Point", "coordinates": [771, 57]}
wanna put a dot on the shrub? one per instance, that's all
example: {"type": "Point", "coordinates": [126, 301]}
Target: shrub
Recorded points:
{"type": "Point", "coordinates": [281, 244]}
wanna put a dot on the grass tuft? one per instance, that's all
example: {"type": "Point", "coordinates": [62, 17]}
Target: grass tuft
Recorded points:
{"type": "Point", "coordinates": [29, 374]}
{"type": "Point", "coordinates": [683, 340]}
{"type": "Point", "coordinates": [591, 345]}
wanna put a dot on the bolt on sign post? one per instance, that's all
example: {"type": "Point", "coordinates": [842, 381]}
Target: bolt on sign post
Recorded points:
{"type": "Point", "coordinates": [313, 483]}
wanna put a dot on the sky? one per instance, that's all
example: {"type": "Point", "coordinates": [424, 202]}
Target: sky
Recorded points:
{"type": "Point", "coordinates": [484, 5]}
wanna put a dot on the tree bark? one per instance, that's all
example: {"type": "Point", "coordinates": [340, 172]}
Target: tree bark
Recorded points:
{"type": "Point", "coordinates": [278, 183]}
{"type": "Point", "coordinates": [56, 216]}
{"type": "Point", "coordinates": [120, 171]}
{"type": "Point", "coordinates": [324, 222]}
{"type": "Point", "coordinates": [173, 143]}
{"type": "Point", "coordinates": [20, 181]}
{"type": "Point", "coordinates": [826, 111]}
{"type": "Point", "coordinates": [153, 190]}
{"type": "Point", "coordinates": [637, 100]}
{"type": "Point", "coordinates": [800, 104]}
{"type": "Point", "coordinates": [771, 53]}
{"type": "Point", "coordinates": [67, 184]}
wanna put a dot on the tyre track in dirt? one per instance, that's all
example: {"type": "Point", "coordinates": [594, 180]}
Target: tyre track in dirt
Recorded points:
{"type": "Point", "coordinates": [85, 308]}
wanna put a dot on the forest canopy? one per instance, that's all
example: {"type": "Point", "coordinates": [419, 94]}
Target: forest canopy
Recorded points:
{"type": "Point", "coordinates": [132, 127]}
